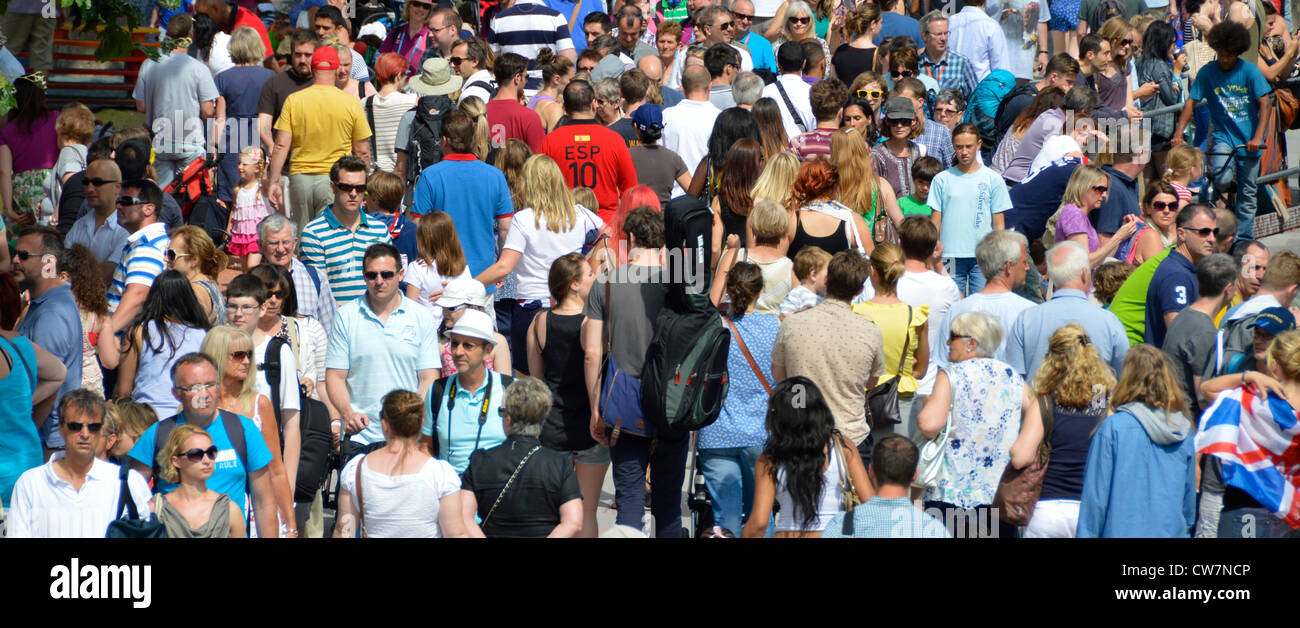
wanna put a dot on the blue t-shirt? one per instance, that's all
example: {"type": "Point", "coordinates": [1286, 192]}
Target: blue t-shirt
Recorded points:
{"type": "Point", "coordinates": [475, 195]}
{"type": "Point", "coordinates": [898, 25]}
{"type": "Point", "coordinates": [54, 323]}
{"type": "Point", "coordinates": [1232, 97]}
{"type": "Point", "coordinates": [760, 49]}
{"type": "Point", "coordinates": [967, 202]}
{"type": "Point", "coordinates": [1172, 288]}
{"type": "Point", "coordinates": [1035, 200]}
{"type": "Point", "coordinates": [1121, 201]}
{"type": "Point", "coordinates": [20, 447]}
{"type": "Point", "coordinates": [459, 432]}
{"type": "Point", "coordinates": [403, 235]}
{"type": "Point", "coordinates": [230, 475]}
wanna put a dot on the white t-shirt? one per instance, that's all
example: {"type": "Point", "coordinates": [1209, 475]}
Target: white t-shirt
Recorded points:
{"type": "Point", "coordinates": [46, 506]}
{"type": "Point", "coordinates": [428, 281]}
{"type": "Point", "coordinates": [312, 345]}
{"type": "Point", "coordinates": [540, 247]}
{"type": "Point", "coordinates": [938, 292]}
{"type": "Point", "coordinates": [402, 506]}
{"type": "Point", "coordinates": [687, 126]}
{"type": "Point", "coordinates": [1056, 147]}
{"type": "Point", "coordinates": [800, 96]}
{"type": "Point", "coordinates": [288, 374]}
{"type": "Point", "coordinates": [219, 55]}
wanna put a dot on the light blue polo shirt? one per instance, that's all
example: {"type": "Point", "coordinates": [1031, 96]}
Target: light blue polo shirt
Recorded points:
{"type": "Point", "coordinates": [459, 436]}
{"type": "Point", "coordinates": [381, 357]}
{"type": "Point", "coordinates": [338, 251]}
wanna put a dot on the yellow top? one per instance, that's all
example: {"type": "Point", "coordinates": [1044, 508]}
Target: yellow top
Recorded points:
{"type": "Point", "coordinates": [324, 122]}
{"type": "Point", "coordinates": [893, 324]}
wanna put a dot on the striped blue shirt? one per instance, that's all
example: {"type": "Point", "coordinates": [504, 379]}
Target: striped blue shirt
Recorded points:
{"type": "Point", "coordinates": [525, 29]}
{"type": "Point", "coordinates": [142, 261]}
{"type": "Point", "coordinates": [337, 250]}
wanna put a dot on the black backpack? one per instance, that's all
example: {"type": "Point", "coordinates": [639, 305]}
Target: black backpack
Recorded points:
{"type": "Point", "coordinates": [424, 148]}
{"type": "Point", "coordinates": [1105, 10]}
{"type": "Point", "coordinates": [490, 88]}
{"type": "Point", "coordinates": [999, 129]}
{"type": "Point", "coordinates": [688, 236]}
{"type": "Point", "coordinates": [317, 448]}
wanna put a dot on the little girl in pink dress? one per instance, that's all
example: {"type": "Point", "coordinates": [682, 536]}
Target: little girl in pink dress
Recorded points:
{"type": "Point", "coordinates": [251, 206]}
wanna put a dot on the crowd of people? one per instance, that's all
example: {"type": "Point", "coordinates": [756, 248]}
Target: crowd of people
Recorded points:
{"type": "Point", "coordinates": [986, 270]}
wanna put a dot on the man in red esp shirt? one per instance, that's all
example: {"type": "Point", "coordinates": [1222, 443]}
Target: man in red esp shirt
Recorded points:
{"type": "Point", "coordinates": [506, 117]}
{"type": "Point", "coordinates": [589, 154]}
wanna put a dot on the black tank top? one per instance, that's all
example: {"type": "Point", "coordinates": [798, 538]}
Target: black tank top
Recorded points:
{"type": "Point", "coordinates": [567, 427]}
{"type": "Point", "coordinates": [732, 223]}
{"type": "Point", "coordinates": [833, 243]}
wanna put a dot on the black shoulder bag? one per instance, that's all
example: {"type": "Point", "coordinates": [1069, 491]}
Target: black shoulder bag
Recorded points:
{"type": "Point", "coordinates": [882, 401]}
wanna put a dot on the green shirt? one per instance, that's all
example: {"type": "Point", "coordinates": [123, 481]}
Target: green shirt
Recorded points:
{"type": "Point", "coordinates": [913, 207]}
{"type": "Point", "coordinates": [1130, 302]}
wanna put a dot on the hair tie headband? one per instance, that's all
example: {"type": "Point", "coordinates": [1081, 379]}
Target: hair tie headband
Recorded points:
{"type": "Point", "coordinates": [36, 78]}
{"type": "Point", "coordinates": [181, 42]}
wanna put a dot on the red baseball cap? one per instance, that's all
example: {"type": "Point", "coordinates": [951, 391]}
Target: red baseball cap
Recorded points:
{"type": "Point", "coordinates": [325, 58]}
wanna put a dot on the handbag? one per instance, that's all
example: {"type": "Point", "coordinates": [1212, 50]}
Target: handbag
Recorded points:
{"type": "Point", "coordinates": [132, 527]}
{"type": "Point", "coordinates": [882, 401]}
{"type": "Point", "coordinates": [509, 482]}
{"type": "Point", "coordinates": [849, 492]}
{"type": "Point", "coordinates": [740, 342]}
{"type": "Point", "coordinates": [1018, 490]}
{"type": "Point", "coordinates": [620, 393]}
{"type": "Point", "coordinates": [932, 463]}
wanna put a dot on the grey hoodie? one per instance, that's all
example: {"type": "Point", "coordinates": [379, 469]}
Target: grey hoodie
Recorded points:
{"type": "Point", "coordinates": [1157, 425]}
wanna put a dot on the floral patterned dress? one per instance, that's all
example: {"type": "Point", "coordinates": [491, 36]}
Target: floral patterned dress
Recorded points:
{"type": "Point", "coordinates": [985, 421]}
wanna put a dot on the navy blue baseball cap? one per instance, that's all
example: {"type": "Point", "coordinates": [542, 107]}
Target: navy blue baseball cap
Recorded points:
{"type": "Point", "coordinates": [1274, 321]}
{"type": "Point", "coordinates": [648, 115]}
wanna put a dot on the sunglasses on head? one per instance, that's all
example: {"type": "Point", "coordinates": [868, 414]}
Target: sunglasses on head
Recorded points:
{"type": "Point", "coordinates": [1163, 206]}
{"type": "Point", "coordinates": [800, 20]}
{"type": "Point", "coordinates": [196, 454]}
{"type": "Point", "coordinates": [127, 201]}
{"type": "Point", "coordinates": [75, 427]}
{"type": "Point", "coordinates": [870, 94]}
{"type": "Point", "coordinates": [1204, 232]}
{"type": "Point", "coordinates": [346, 187]}
{"type": "Point", "coordinates": [372, 275]}
{"type": "Point", "coordinates": [98, 182]}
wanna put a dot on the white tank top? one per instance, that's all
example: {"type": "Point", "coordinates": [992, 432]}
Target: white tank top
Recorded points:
{"type": "Point", "coordinates": [829, 503]}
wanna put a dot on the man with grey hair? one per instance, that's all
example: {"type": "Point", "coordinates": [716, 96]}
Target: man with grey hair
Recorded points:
{"type": "Point", "coordinates": [630, 24]}
{"type": "Point", "coordinates": [1030, 335]}
{"type": "Point", "coordinates": [949, 67]}
{"type": "Point", "coordinates": [521, 488]}
{"type": "Point", "coordinates": [1003, 257]}
{"type": "Point", "coordinates": [277, 237]}
{"type": "Point", "coordinates": [746, 88]}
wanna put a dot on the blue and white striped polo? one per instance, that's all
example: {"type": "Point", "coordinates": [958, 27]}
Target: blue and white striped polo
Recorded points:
{"type": "Point", "coordinates": [142, 261]}
{"type": "Point", "coordinates": [338, 251]}
{"type": "Point", "coordinates": [525, 29]}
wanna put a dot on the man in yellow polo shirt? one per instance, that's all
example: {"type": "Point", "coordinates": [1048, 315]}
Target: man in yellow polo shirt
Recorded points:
{"type": "Point", "coordinates": [316, 127]}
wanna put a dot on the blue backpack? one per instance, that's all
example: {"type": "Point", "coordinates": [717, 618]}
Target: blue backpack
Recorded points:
{"type": "Point", "coordinates": [983, 108]}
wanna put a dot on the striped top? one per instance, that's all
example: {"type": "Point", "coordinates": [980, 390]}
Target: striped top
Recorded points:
{"type": "Point", "coordinates": [142, 261]}
{"type": "Point", "coordinates": [388, 112]}
{"type": "Point", "coordinates": [337, 250]}
{"type": "Point", "coordinates": [525, 29]}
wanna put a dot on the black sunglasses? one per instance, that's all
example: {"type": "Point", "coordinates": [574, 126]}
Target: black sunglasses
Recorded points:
{"type": "Point", "coordinates": [197, 454]}
{"type": "Point", "coordinates": [98, 182]}
{"type": "Point", "coordinates": [345, 187]}
{"type": "Point", "coordinates": [240, 355]}
{"type": "Point", "coordinates": [127, 201]}
{"type": "Point", "coordinates": [903, 74]}
{"type": "Point", "coordinates": [279, 294]}
{"type": "Point", "coordinates": [1204, 232]}
{"type": "Point", "coordinates": [742, 16]}
{"type": "Point", "coordinates": [726, 25]}
{"type": "Point", "coordinates": [372, 275]}
{"type": "Point", "coordinates": [22, 255]}
{"type": "Point", "coordinates": [455, 60]}
{"type": "Point", "coordinates": [1161, 205]}
{"type": "Point", "coordinates": [75, 427]}
{"type": "Point", "coordinates": [898, 122]}
{"type": "Point", "coordinates": [799, 20]}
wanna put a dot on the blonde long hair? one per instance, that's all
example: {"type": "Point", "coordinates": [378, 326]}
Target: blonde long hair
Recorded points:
{"type": "Point", "coordinates": [849, 153]}
{"type": "Point", "coordinates": [1084, 177]}
{"type": "Point", "coordinates": [1147, 378]}
{"type": "Point", "coordinates": [218, 344]}
{"type": "Point", "coordinates": [1072, 373]}
{"type": "Point", "coordinates": [777, 179]}
{"type": "Point", "coordinates": [477, 110]}
{"type": "Point", "coordinates": [548, 194]}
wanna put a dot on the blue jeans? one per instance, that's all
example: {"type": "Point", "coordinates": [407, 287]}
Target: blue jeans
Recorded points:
{"type": "Point", "coordinates": [966, 273]}
{"type": "Point", "coordinates": [1244, 170]}
{"type": "Point", "coordinates": [630, 455]}
{"type": "Point", "coordinates": [729, 474]}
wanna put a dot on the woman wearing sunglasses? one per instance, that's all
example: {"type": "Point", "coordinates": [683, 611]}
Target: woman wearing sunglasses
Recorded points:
{"type": "Point", "coordinates": [232, 350]}
{"type": "Point", "coordinates": [410, 37]}
{"type": "Point", "coordinates": [794, 21]}
{"type": "Point", "coordinates": [194, 511]}
{"type": "Point", "coordinates": [1084, 193]}
{"type": "Point", "coordinates": [869, 86]}
{"type": "Point", "coordinates": [193, 254]}
{"type": "Point", "coordinates": [1156, 231]}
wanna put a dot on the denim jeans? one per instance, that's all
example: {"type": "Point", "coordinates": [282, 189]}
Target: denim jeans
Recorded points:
{"type": "Point", "coordinates": [630, 455]}
{"type": "Point", "coordinates": [521, 316]}
{"type": "Point", "coordinates": [1244, 170]}
{"type": "Point", "coordinates": [729, 474]}
{"type": "Point", "coordinates": [966, 273]}
{"type": "Point", "coordinates": [1251, 523]}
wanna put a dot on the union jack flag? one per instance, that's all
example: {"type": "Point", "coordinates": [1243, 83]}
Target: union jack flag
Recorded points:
{"type": "Point", "coordinates": [1257, 440]}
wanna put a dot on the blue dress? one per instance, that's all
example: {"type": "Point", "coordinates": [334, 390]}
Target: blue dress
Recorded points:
{"type": "Point", "coordinates": [20, 446]}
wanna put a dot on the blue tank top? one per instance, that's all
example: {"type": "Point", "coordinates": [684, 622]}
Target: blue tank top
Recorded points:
{"type": "Point", "coordinates": [20, 446]}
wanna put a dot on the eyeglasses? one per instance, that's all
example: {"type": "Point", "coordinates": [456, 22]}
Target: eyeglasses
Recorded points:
{"type": "Point", "coordinates": [171, 255]}
{"type": "Point", "coordinates": [22, 255]}
{"type": "Point", "coordinates": [1125, 42]}
{"type": "Point", "coordinates": [1161, 206]}
{"type": "Point", "coordinates": [956, 337]}
{"type": "Point", "coordinates": [742, 16]}
{"type": "Point", "coordinates": [902, 74]}
{"type": "Point", "coordinates": [799, 20]}
{"type": "Point", "coordinates": [275, 244]}
{"type": "Point", "coordinates": [945, 111]}
{"type": "Point", "coordinates": [98, 182]}
{"type": "Point", "coordinates": [75, 427]}
{"type": "Point", "coordinates": [240, 356]}
{"type": "Point", "coordinates": [372, 275]}
{"type": "Point", "coordinates": [465, 344]}
{"type": "Point", "coordinates": [128, 201]}
{"type": "Point", "coordinates": [1204, 232]}
{"type": "Point", "coordinates": [242, 308]}
{"type": "Point", "coordinates": [870, 94]}
{"type": "Point", "coordinates": [196, 454]}
{"type": "Point", "coordinates": [345, 187]}
{"type": "Point", "coordinates": [196, 388]}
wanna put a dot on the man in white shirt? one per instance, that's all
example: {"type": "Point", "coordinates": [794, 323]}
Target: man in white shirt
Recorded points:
{"type": "Point", "coordinates": [972, 33]}
{"type": "Point", "coordinates": [688, 124]}
{"type": "Point", "coordinates": [791, 93]}
{"type": "Point", "coordinates": [99, 229]}
{"type": "Point", "coordinates": [918, 237]}
{"type": "Point", "coordinates": [469, 59]}
{"type": "Point", "coordinates": [75, 494]}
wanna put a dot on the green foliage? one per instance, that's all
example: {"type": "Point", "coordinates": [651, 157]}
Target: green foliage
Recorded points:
{"type": "Point", "coordinates": [117, 18]}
